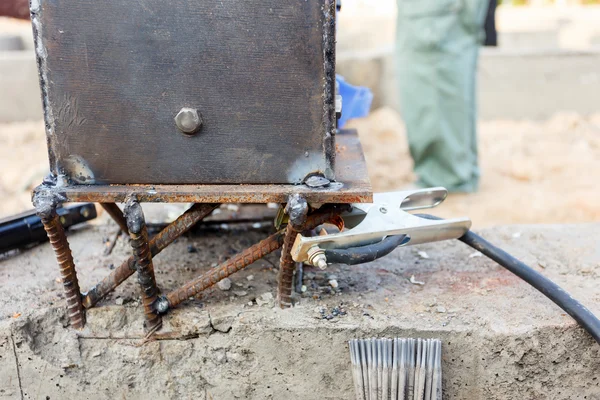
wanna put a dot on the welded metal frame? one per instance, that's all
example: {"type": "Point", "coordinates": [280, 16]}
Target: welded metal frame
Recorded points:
{"type": "Point", "coordinates": [280, 61]}
{"type": "Point", "coordinates": [384, 221]}
{"type": "Point", "coordinates": [46, 201]}
{"type": "Point", "coordinates": [372, 227]}
{"type": "Point", "coordinates": [326, 202]}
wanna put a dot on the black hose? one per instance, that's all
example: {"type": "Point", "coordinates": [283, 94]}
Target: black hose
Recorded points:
{"type": "Point", "coordinates": [363, 254]}
{"type": "Point", "coordinates": [584, 317]}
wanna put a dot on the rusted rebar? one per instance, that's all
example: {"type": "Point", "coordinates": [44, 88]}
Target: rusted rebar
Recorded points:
{"type": "Point", "coordinates": [45, 202]}
{"type": "Point", "coordinates": [116, 214]}
{"type": "Point", "coordinates": [138, 233]}
{"type": "Point", "coordinates": [285, 278]}
{"type": "Point", "coordinates": [58, 239]}
{"type": "Point", "coordinates": [296, 208]}
{"type": "Point", "coordinates": [174, 230]}
{"type": "Point", "coordinates": [234, 264]}
{"type": "Point", "coordinates": [241, 261]}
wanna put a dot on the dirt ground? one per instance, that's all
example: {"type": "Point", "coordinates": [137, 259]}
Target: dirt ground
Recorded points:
{"type": "Point", "coordinates": [532, 172]}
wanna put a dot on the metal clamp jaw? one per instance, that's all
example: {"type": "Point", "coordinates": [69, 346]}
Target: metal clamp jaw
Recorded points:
{"type": "Point", "coordinates": [371, 223]}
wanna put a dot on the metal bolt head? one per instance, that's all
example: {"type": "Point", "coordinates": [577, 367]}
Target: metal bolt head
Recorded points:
{"type": "Point", "coordinates": [188, 120]}
{"type": "Point", "coordinates": [316, 257]}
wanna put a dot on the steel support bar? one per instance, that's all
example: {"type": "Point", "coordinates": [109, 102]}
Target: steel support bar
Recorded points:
{"type": "Point", "coordinates": [285, 278]}
{"type": "Point", "coordinates": [138, 233]}
{"type": "Point", "coordinates": [174, 230]}
{"type": "Point", "coordinates": [58, 239]}
{"type": "Point", "coordinates": [231, 266]}
{"type": "Point", "coordinates": [116, 214]}
{"type": "Point", "coordinates": [297, 208]}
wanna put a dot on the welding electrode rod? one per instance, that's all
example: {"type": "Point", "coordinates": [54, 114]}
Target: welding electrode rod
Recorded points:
{"type": "Point", "coordinates": [143, 262]}
{"type": "Point", "coordinates": [158, 243]}
{"type": "Point", "coordinates": [116, 214]}
{"type": "Point", "coordinates": [58, 239]}
{"type": "Point", "coordinates": [241, 261]}
{"type": "Point", "coordinates": [231, 266]}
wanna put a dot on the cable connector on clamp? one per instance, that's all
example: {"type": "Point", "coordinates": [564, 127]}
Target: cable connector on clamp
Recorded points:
{"type": "Point", "coordinates": [375, 229]}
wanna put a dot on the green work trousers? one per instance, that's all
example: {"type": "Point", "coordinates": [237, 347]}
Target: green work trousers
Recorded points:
{"type": "Point", "coordinates": [436, 56]}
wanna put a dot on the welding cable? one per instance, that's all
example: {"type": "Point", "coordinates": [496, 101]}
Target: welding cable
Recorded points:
{"type": "Point", "coordinates": [584, 317]}
{"type": "Point", "coordinates": [364, 254]}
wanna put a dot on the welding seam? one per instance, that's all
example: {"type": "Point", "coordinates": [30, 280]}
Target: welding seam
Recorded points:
{"type": "Point", "coordinates": [58, 240]}
{"type": "Point", "coordinates": [158, 243]}
{"type": "Point", "coordinates": [329, 118]}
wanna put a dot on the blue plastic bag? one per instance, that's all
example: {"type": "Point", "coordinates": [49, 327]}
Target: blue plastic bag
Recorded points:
{"type": "Point", "coordinates": [356, 101]}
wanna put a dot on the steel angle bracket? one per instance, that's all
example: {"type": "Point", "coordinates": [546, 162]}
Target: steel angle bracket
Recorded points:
{"type": "Point", "coordinates": [388, 215]}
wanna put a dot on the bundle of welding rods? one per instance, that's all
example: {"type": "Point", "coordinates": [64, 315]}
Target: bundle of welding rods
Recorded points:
{"type": "Point", "coordinates": [397, 369]}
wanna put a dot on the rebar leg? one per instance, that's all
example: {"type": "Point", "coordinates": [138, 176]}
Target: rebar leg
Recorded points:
{"type": "Point", "coordinates": [297, 209]}
{"type": "Point", "coordinates": [45, 204]}
{"type": "Point", "coordinates": [143, 262]}
{"type": "Point", "coordinates": [116, 214]}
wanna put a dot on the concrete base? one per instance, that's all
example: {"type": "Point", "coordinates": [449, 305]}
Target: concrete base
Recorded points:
{"type": "Point", "coordinates": [502, 339]}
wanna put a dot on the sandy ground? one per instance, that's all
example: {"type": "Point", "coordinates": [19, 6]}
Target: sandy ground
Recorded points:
{"type": "Point", "coordinates": [532, 172]}
{"type": "Point", "coordinates": [23, 164]}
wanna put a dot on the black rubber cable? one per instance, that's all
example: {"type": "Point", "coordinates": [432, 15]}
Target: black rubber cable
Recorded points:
{"type": "Point", "coordinates": [364, 254]}
{"type": "Point", "coordinates": [584, 317]}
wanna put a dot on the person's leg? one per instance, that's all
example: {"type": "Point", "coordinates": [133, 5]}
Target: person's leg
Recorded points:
{"type": "Point", "coordinates": [437, 57]}
{"type": "Point", "coordinates": [437, 106]}
{"type": "Point", "coordinates": [491, 34]}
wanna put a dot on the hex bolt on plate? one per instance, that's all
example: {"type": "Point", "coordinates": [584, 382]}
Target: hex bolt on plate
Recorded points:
{"type": "Point", "coordinates": [188, 120]}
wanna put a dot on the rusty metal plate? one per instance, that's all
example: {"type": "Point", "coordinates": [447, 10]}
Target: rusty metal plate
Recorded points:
{"type": "Point", "coordinates": [353, 186]}
{"type": "Point", "coordinates": [114, 74]}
